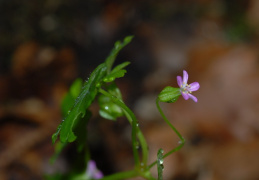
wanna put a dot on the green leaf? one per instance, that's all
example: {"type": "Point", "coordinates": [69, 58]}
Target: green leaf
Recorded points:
{"type": "Point", "coordinates": [120, 66]}
{"type": "Point", "coordinates": [108, 109]}
{"type": "Point", "coordinates": [169, 94]}
{"type": "Point", "coordinates": [111, 77]}
{"type": "Point", "coordinates": [117, 72]}
{"type": "Point", "coordinates": [88, 93]}
{"type": "Point", "coordinates": [117, 47]}
{"type": "Point", "coordinates": [55, 135]}
{"type": "Point", "coordinates": [80, 131]}
{"type": "Point", "coordinates": [160, 164]}
{"type": "Point", "coordinates": [83, 101]}
{"type": "Point", "coordinates": [76, 87]}
{"type": "Point", "coordinates": [70, 97]}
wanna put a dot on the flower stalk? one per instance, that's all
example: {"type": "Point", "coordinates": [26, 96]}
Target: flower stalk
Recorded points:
{"type": "Point", "coordinates": [182, 140]}
{"type": "Point", "coordinates": [136, 133]}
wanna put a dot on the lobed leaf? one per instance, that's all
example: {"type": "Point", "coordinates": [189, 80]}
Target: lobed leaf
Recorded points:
{"type": "Point", "coordinates": [84, 100]}
{"type": "Point", "coordinates": [88, 93]}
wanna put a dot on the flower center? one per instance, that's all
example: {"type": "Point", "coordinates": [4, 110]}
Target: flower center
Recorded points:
{"type": "Point", "coordinates": [185, 88]}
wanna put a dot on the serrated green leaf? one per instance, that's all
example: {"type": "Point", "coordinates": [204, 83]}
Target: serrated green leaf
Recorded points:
{"type": "Point", "coordinates": [88, 93]}
{"type": "Point", "coordinates": [160, 164]}
{"type": "Point", "coordinates": [169, 94]}
{"type": "Point", "coordinates": [117, 47]}
{"type": "Point", "coordinates": [84, 100]}
{"type": "Point", "coordinates": [80, 130]}
{"type": "Point", "coordinates": [68, 102]}
{"type": "Point", "coordinates": [55, 135]}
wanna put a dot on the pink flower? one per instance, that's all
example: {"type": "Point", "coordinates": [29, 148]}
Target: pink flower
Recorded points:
{"type": "Point", "coordinates": [187, 89]}
{"type": "Point", "coordinates": [92, 170]}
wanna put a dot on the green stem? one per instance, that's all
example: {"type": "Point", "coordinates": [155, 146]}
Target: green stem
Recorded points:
{"type": "Point", "coordinates": [182, 140]}
{"type": "Point", "coordinates": [136, 132]}
{"type": "Point", "coordinates": [167, 121]}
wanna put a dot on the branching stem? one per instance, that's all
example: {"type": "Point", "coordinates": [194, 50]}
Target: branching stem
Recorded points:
{"type": "Point", "coordinates": [182, 140]}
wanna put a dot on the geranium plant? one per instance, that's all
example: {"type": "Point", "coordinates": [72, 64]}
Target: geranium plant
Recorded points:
{"type": "Point", "coordinates": [101, 86]}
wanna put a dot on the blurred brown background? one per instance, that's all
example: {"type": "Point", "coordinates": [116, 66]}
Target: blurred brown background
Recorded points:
{"type": "Point", "coordinates": [45, 45]}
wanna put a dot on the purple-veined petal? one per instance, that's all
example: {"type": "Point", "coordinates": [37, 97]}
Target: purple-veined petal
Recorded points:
{"type": "Point", "coordinates": [185, 77]}
{"type": "Point", "coordinates": [185, 95]}
{"type": "Point", "coordinates": [179, 81]}
{"type": "Point", "coordinates": [193, 97]}
{"type": "Point", "coordinates": [194, 86]}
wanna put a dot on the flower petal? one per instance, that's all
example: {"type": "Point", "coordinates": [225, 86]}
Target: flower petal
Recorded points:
{"type": "Point", "coordinates": [193, 97]}
{"type": "Point", "coordinates": [92, 170]}
{"type": "Point", "coordinates": [194, 86]}
{"type": "Point", "coordinates": [91, 166]}
{"type": "Point", "coordinates": [179, 81]}
{"type": "Point", "coordinates": [98, 175]}
{"type": "Point", "coordinates": [185, 77]}
{"type": "Point", "coordinates": [185, 95]}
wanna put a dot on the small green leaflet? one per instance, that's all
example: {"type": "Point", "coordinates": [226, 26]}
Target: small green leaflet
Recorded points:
{"type": "Point", "coordinates": [120, 66]}
{"type": "Point", "coordinates": [108, 109]}
{"type": "Point", "coordinates": [169, 94]}
{"type": "Point", "coordinates": [82, 102]}
{"type": "Point", "coordinates": [117, 72]}
{"type": "Point", "coordinates": [117, 47]}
